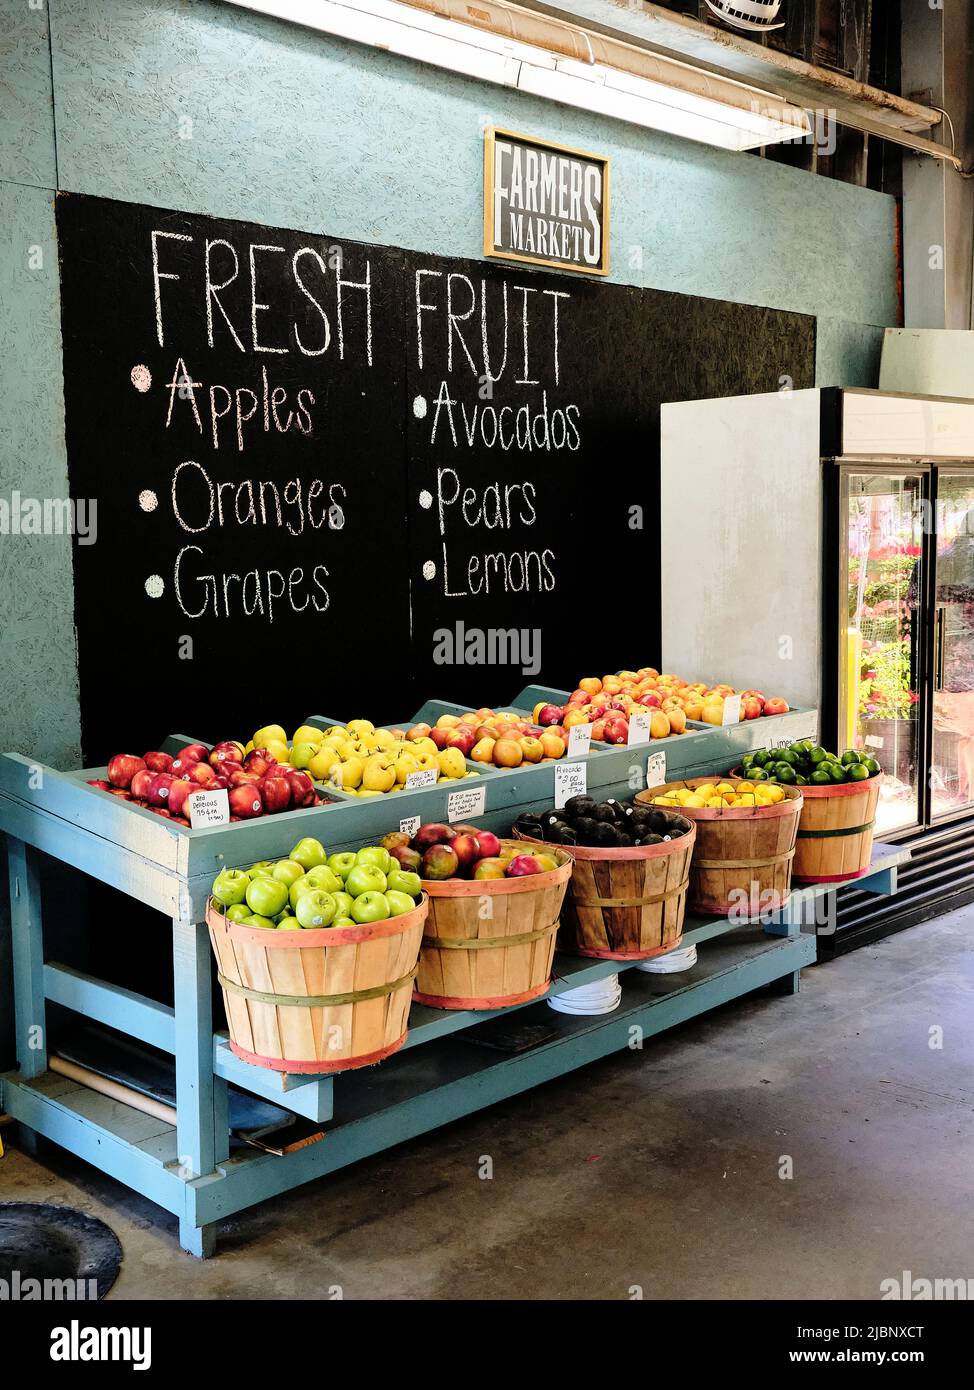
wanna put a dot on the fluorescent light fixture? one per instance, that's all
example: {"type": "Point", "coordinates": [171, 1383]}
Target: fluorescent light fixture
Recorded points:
{"type": "Point", "coordinates": [677, 98]}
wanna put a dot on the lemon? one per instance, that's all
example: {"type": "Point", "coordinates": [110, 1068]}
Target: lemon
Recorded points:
{"type": "Point", "coordinates": [695, 801]}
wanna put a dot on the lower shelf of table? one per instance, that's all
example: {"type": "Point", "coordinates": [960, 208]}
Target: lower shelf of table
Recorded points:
{"type": "Point", "coordinates": [416, 1091]}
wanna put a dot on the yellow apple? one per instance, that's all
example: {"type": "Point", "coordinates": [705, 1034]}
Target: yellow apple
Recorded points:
{"type": "Point", "coordinates": [378, 774]}
{"type": "Point", "coordinates": [358, 727]}
{"type": "Point", "coordinates": [451, 762]}
{"type": "Point", "coordinates": [405, 764]}
{"type": "Point", "coordinates": [308, 734]}
{"type": "Point", "coordinates": [277, 750]}
{"type": "Point", "coordinates": [270, 733]}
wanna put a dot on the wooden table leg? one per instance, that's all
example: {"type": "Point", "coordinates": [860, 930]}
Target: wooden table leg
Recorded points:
{"type": "Point", "coordinates": [202, 1128]}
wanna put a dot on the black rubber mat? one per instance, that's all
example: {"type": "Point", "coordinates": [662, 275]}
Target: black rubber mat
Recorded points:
{"type": "Point", "coordinates": [41, 1246]}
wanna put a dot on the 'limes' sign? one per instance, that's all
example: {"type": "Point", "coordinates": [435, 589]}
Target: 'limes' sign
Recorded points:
{"type": "Point", "coordinates": [545, 204]}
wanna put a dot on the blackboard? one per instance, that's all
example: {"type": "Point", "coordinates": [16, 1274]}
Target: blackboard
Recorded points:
{"type": "Point", "coordinates": [426, 442]}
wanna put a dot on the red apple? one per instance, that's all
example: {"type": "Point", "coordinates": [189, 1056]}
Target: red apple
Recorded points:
{"type": "Point", "coordinates": [462, 738]}
{"type": "Point", "coordinates": [440, 737]}
{"type": "Point", "coordinates": [179, 789]}
{"type": "Point", "coordinates": [276, 792]}
{"type": "Point", "coordinates": [196, 751]}
{"type": "Point", "coordinates": [141, 783]}
{"type": "Point", "coordinates": [396, 839]}
{"type": "Point", "coordinates": [432, 834]}
{"type": "Point", "coordinates": [158, 762]}
{"type": "Point", "coordinates": [239, 776]}
{"type": "Point", "coordinates": [159, 811]}
{"type": "Point", "coordinates": [100, 783]}
{"type": "Point", "coordinates": [224, 752]}
{"type": "Point", "coordinates": [418, 731]}
{"type": "Point", "coordinates": [550, 714]}
{"type": "Point", "coordinates": [467, 850]}
{"type": "Point", "coordinates": [776, 706]}
{"type": "Point", "coordinates": [439, 862]}
{"type": "Point", "coordinates": [258, 760]}
{"type": "Point", "coordinates": [651, 700]}
{"type": "Point", "coordinates": [122, 793]}
{"type": "Point", "coordinates": [246, 801]}
{"type": "Point", "coordinates": [616, 730]}
{"type": "Point", "coordinates": [123, 768]}
{"type": "Point", "coordinates": [277, 770]}
{"type": "Point", "coordinates": [302, 788]}
{"type": "Point", "coordinates": [182, 764]}
{"type": "Point", "coordinates": [202, 774]}
{"type": "Point", "coordinates": [490, 846]}
{"type": "Point", "coordinates": [158, 793]}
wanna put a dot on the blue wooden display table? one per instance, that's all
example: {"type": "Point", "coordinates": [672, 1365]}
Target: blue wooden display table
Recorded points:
{"type": "Point", "coordinates": [439, 1075]}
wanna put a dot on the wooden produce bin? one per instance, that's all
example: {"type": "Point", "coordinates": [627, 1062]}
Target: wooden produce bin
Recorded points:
{"type": "Point", "coordinates": [477, 959]}
{"type": "Point", "coordinates": [627, 904]}
{"type": "Point", "coordinates": [317, 1001]}
{"type": "Point", "coordinates": [835, 834]}
{"type": "Point", "coordinates": [742, 859]}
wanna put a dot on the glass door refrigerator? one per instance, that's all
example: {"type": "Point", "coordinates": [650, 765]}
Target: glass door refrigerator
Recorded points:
{"type": "Point", "coordinates": [822, 543]}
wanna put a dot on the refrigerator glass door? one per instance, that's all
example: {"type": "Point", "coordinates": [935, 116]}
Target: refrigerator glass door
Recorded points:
{"type": "Point", "coordinates": [880, 645]}
{"type": "Point", "coordinates": [952, 756]}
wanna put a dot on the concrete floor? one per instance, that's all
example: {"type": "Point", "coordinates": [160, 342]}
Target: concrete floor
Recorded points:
{"type": "Point", "coordinates": [657, 1169]}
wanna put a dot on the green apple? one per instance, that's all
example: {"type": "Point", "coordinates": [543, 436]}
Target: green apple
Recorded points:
{"type": "Point", "coordinates": [375, 855]}
{"type": "Point", "coordinates": [230, 887]}
{"type": "Point", "coordinates": [288, 871]}
{"type": "Point", "coordinates": [365, 878]}
{"type": "Point", "coordinates": [288, 923]}
{"type": "Point", "coordinates": [302, 753]}
{"type": "Point", "coordinates": [308, 852]}
{"type": "Point", "coordinates": [344, 922]}
{"type": "Point", "coordinates": [315, 909]}
{"type": "Point", "coordinates": [344, 901]}
{"type": "Point", "coordinates": [403, 881]}
{"type": "Point", "coordinates": [370, 906]}
{"type": "Point", "coordinates": [324, 878]}
{"type": "Point", "coordinates": [238, 912]}
{"type": "Point", "coordinates": [299, 887]}
{"type": "Point", "coordinates": [341, 864]}
{"type": "Point", "coordinates": [262, 864]}
{"type": "Point", "coordinates": [255, 920]}
{"type": "Point", "coordinates": [399, 902]}
{"type": "Point", "coordinates": [259, 873]}
{"type": "Point", "coordinates": [266, 896]}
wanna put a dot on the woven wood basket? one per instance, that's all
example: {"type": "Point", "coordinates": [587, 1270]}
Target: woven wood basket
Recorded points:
{"type": "Point", "coordinates": [742, 860]}
{"type": "Point", "coordinates": [317, 1001]}
{"type": "Point", "coordinates": [627, 904]}
{"type": "Point", "coordinates": [490, 943]}
{"type": "Point", "coordinates": [835, 832]}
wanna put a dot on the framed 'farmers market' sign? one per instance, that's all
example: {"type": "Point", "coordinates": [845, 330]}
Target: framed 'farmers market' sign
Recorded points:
{"type": "Point", "coordinates": [545, 204]}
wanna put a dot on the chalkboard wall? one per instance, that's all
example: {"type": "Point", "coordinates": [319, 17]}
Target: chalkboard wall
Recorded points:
{"type": "Point", "coordinates": [329, 476]}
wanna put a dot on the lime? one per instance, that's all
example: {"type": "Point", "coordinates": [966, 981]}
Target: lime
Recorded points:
{"type": "Point", "coordinates": [785, 773]}
{"type": "Point", "coordinates": [800, 781]}
{"type": "Point", "coordinates": [760, 758]}
{"type": "Point", "coordinates": [871, 766]}
{"type": "Point", "coordinates": [756, 774]}
{"type": "Point", "coordinates": [747, 760]}
{"type": "Point", "coordinates": [858, 773]}
{"type": "Point", "coordinates": [817, 755]}
{"type": "Point", "coordinates": [837, 773]}
{"type": "Point", "coordinates": [850, 757]}
{"type": "Point", "coordinates": [786, 757]}
{"type": "Point", "coordinates": [820, 778]}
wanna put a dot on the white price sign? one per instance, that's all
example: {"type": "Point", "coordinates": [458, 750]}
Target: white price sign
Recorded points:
{"type": "Point", "coordinates": [656, 769]}
{"type": "Point", "coordinates": [579, 740]}
{"type": "Point", "coordinates": [571, 779]}
{"type": "Point", "coordinates": [410, 824]}
{"type": "Point", "coordinates": [804, 725]}
{"type": "Point", "coordinates": [207, 809]}
{"type": "Point", "coordinates": [732, 709]}
{"type": "Point", "coordinates": [421, 779]}
{"type": "Point", "coordinates": [638, 729]}
{"type": "Point", "coordinates": [462, 805]}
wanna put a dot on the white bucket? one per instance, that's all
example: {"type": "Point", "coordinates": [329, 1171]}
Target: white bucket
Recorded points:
{"type": "Point", "coordinates": [599, 998]}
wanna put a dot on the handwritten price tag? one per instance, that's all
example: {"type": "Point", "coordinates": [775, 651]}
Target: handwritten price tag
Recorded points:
{"type": "Point", "coordinates": [794, 727]}
{"type": "Point", "coordinates": [579, 740]}
{"type": "Point", "coordinates": [207, 809]}
{"type": "Point", "coordinates": [638, 729]}
{"type": "Point", "coordinates": [421, 779]}
{"type": "Point", "coordinates": [656, 769]}
{"type": "Point", "coordinates": [462, 805]}
{"type": "Point", "coordinates": [410, 824]}
{"type": "Point", "coordinates": [571, 779]}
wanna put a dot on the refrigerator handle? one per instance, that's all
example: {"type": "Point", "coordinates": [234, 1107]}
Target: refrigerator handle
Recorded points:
{"type": "Point", "coordinates": [940, 646]}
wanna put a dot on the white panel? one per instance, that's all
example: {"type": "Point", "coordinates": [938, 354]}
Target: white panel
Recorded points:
{"type": "Point", "coordinates": [908, 426]}
{"type": "Point", "coordinates": [741, 502]}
